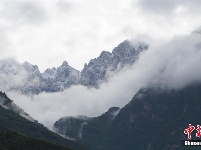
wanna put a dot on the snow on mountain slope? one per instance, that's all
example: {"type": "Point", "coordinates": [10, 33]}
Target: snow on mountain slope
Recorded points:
{"type": "Point", "coordinates": [125, 54]}
{"type": "Point", "coordinates": [60, 78]}
{"type": "Point", "coordinates": [27, 78]}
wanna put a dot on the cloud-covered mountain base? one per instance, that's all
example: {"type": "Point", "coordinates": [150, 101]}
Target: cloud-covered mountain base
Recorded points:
{"type": "Point", "coordinates": [154, 119]}
{"type": "Point", "coordinates": [173, 64]}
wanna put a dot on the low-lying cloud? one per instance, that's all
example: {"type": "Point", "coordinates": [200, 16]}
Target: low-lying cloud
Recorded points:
{"type": "Point", "coordinates": [174, 64]}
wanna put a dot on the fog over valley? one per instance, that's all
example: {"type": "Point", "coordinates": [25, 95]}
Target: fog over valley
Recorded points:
{"type": "Point", "coordinates": [168, 64]}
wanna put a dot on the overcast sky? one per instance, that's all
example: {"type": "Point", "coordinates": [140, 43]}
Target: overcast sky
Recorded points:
{"type": "Point", "coordinates": [47, 32]}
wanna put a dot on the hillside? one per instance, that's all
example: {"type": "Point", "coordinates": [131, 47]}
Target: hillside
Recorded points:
{"type": "Point", "coordinates": [5, 102]}
{"type": "Point", "coordinates": [14, 141]}
{"type": "Point", "coordinates": [16, 123]}
{"type": "Point", "coordinates": [154, 119]}
{"type": "Point", "coordinates": [87, 130]}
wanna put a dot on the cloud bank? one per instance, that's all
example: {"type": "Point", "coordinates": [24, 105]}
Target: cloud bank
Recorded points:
{"type": "Point", "coordinates": [174, 64]}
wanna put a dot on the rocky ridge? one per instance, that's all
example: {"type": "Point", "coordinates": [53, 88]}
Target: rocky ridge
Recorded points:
{"type": "Point", "coordinates": [27, 78]}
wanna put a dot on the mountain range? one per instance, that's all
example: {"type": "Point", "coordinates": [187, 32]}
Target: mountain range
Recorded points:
{"type": "Point", "coordinates": [156, 118]}
{"type": "Point", "coordinates": [27, 79]}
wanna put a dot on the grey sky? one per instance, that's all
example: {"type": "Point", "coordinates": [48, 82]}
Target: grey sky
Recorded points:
{"type": "Point", "coordinates": [45, 32]}
{"type": "Point", "coordinates": [169, 7]}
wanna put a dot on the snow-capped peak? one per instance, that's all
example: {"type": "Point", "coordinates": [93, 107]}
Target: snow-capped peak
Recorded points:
{"type": "Point", "coordinates": [29, 80]}
{"type": "Point", "coordinates": [65, 63]}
